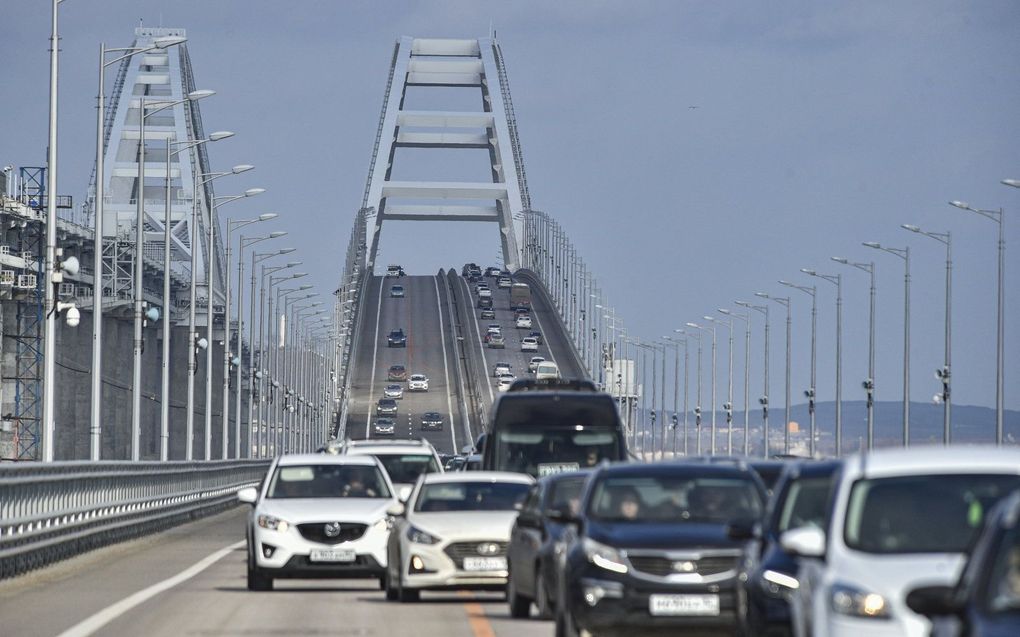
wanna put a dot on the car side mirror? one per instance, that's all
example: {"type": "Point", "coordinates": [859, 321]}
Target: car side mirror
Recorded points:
{"type": "Point", "coordinates": [248, 495]}
{"type": "Point", "coordinates": [741, 530]}
{"type": "Point", "coordinates": [404, 493]}
{"type": "Point", "coordinates": [396, 509]}
{"type": "Point", "coordinates": [933, 601]}
{"type": "Point", "coordinates": [528, 519]}
{"type": "Point", "coordinates": [806, 541]}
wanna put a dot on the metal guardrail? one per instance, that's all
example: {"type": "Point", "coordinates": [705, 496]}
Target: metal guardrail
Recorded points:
{"type": "Point", "coordinates": [52, 511]}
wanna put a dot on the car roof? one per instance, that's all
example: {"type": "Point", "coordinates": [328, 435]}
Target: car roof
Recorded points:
{"type": "Point", "coordinates": [323, 458]}
{"type": "Point", "coordinates": [478, 476]}
{"type": "Point", "coordinates": [961, 459]}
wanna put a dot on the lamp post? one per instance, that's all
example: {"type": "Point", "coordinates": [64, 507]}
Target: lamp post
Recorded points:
{"type": "Point", "coordinates": [809, 393]}
{"type": "Point", "coordinates": [764, 400]}
{"type": "Point", "coordinates": [746, 319]}
{"type": "Point", "coordinates": [699, 327]}
{"type": "Point", "coordinates": [96, 421]}
{"type": "Point", "coordinates": [225, 390]}
{"type": "Point", "coordinates": [902, 253]}
{"type": "Point", "coordinates": [280, 366]}
{"type": "Point", "coordinates": [265, 363]}
{"type": "Point", "coordinates": [869, 382]}
{"type": "Point", "coordinates": [139, 270]}
{"type": "Point", "coordinates": [676, 344]}
{"type": "Point", "coordinates": [998, 217]}
{"type": "Point", "coordinates": [293, 375]}
{"type": "Point", "coordinates": [836, 280]}
{"type": "Point", "coordinates": [200, 180]}
{"type": "Point", "coordinates": [210, 286]}
{"type": "Point", "coordinates": [784, 301]}
{"type": "Point", "coordinates": [728, 405]}
{"type": "Point", "coordinates": [164, 421]}
{"type": "Point", "coordinates": [697, 400]}
{"type": "Point", "coordinates": [943, 374]}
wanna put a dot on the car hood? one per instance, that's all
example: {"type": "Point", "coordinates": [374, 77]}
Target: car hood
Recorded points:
{"type": "Point", "coordinates": [661, 536]}
{"type": "Point", "coordinates": [299, 510]}
{"type": "Point", "coordinates": [892, 576]}
{"type": "Point", "coordinates": [460, 525]}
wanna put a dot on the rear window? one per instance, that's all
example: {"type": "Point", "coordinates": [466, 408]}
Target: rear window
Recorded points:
{"type": "Point", "coordinates": [405, 468]}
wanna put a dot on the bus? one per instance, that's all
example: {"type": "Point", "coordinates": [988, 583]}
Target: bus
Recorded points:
{"type": "Point", "coordinates": [554, 427]}
{"type": "Point", "coordinates": [520, 296]}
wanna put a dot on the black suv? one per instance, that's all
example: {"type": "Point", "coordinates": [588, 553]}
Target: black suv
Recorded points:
{"type": "Point", "coordinates": [657, 547]}
{"type": "Point", "coordinates": [397, 338]}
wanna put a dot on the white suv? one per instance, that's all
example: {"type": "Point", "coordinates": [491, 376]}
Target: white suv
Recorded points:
{"type": "Point", "coordinates": [417, 382]}
{"type": "Point", "coordinates": [318, 515]}
{"type": "Point", "coordinates": [899, 519]}
{"type": "Point", "coordinates": [404, 460]}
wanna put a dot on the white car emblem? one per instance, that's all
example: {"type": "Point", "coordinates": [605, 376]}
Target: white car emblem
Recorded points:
{"type": "Point", "coordinates": [332, 529]}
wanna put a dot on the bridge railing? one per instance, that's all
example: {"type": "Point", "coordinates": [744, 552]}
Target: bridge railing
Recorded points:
{"type": "Point", "coordinates": [53, 511]}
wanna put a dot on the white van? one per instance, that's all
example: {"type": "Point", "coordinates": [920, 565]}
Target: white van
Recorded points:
{"type": "Point", "coordinates": [547, 369]}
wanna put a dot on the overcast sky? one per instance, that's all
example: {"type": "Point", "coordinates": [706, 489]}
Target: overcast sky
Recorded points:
{"type": "Point", "coordinates": [818, 126]}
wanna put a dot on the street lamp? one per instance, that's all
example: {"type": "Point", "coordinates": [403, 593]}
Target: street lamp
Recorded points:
{"type": "Point", "coordinates": [837, 280]}
{"type": "Point", "coordinates": [728, 405]}
{"type": "Point", "coordinates": [784, 301]}
{"type": "Point", "coordinates": [96, 420]}
{"type": "Point", "coordinates": [267, 375]}
{"type": "Point", "coordinates": [809, 393]}
{"type": "Point", "coordinates": [139, 300]}
{"type": "Point", "coordinates": [764, 400]}
{"type": "Point", "coordinates": [998, 217]}
{"type": "Point", "coordinates": [676, 343]}
{"type": "Point", "coordinates": [746, 319]}
{"type": "Point", "coordinates": [699, 327]}
{"type": "Point", "coordinates": [902, 253]}
{"type": "Point", "coordinates": [869, 382]}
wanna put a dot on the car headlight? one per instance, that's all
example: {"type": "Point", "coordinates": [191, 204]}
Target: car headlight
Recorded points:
{"type": "Point", "coordinates": [852, 601]}
{"type": "Point", "coordinates": [778, 584]}
{"type": "Point", "coordinates": [604, 556]}
{"type": "Point", "coordinates": [418, 536]}
{"type": "Point", "coordinates": [273, 523]}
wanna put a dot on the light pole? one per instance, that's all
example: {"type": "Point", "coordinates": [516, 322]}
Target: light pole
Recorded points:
{"type": "Point", "coordinates": [164, 420]}
{"type": "Point", "coordinates": [699, 327]}
{"type": "Point", "coordinates": [96, 421]}
{"type": "Point", "coordinates": [243, 243]}
{"type": "Point", "coordinates": [697, 400]}
{"type": "Point", "coordinates": [764, 400]}
{"type": "Point", "coordinates": [728, 405]}
{"type": "Point", "coordinates": [837, 280]}
{"type": "Point", "coordinates": [809, 393]}
{"type": "Point", "coordinates": [225, 390]}
{"type": "Point", "coordinates": [869, 382]}
{"type": "Point", "coordinates": [676, 344]}
{"type": "Point", "coordinates": [139, 270]}
{"type": "Point", "coordinates": [943, 374]}
{"type": "Point", "coordinates": [210, 287]}
{"type": "Point", "coordinates": [902, 253]}
{"type": "Point", "coordinates": [280, 348]}
{"type": "Point", "coordinates": [200, 180]}
{"type": "Point", "coordinates": [998, 217]}
{"type": "Point", "coordinates": [746, 318]}
{"type": "Point", "coordinates": [784, 301]}
{"type": "Point", "coordinates": [267, 382]}
{"type": "Point", "coordinates": [293, 375]}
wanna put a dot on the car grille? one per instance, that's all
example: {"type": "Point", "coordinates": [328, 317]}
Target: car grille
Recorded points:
{"type": "Point", "coordinates": [661, 566]}
{"type": "Point", "coordinates": [316, 532]}
{"type": "Point", "coordinates": [459, 550]}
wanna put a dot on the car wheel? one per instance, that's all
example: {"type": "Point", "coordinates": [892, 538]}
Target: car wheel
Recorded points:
{"type": "Point", "coordinates": [384, 581]}
{"type": "Point", "coordinates": [542, 601]}
{"type": "Point", "coordinates": [565, 625]}
{"type": "Point", "coordinates": [520, 606]}
{"type": "Point", "coordinates": [404, 595]}
{"type": "Point", "coordinates": [257, 581]}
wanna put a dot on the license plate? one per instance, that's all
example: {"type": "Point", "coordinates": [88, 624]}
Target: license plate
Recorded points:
{"type": "Point", "coordinates": [684, 604]}
{"type": "Point", "coordinates": [484, 563]}
{"type": "Point", "coordinates": [332, 555]}
{"type": "Point", "coordinates": [552, 468]}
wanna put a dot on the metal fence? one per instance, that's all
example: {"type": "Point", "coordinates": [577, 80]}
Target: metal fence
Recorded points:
{"type": "Point", "coordinates": [53, 511]}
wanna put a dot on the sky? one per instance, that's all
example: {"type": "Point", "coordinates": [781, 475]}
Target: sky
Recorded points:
{"type": "Point", "coordinates": [817, 126]}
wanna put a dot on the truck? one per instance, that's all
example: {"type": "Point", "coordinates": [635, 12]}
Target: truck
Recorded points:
{"type": "Point", "coordinates": [520, 296]}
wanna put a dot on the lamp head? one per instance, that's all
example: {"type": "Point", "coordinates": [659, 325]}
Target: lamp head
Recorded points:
{"type": "Point", "coordinates": [278, 233]}
{"type": "Point", "coordinates": [306, 286]}
{"type": "Point", "coordinates": [194, 96]}
{"type": "Point", "coordinates": [840, 260]}
{"type": "Point", "coordinates": [291, 264]}
{"type": "Point", "coordinates": [808, 272]}
{"type": "Point", "coordinates": [761, 295]}
{"type": "Point", "coordinates": [963, 205]}
{"type": "Point", "coordinates": [168, 41]}
{"type": "Point", "coordinates": [298, 275]}
{"type": "Point", "coordinates": [218, 135]}
{"type": "Point", "coordinates": [724, 311]}
{"type": "Point", "coordinates": [912, 228]}
{"type": "Point", "coordinates": [251, 192]}
{"type": "Point", "coordinates": [202, 343]}
{"type": "Point", "coordinates": [152, 314]}
{"type": "Point", "coordinates": [679, 331]}
{"type": "Point", "coordinates": [268, 216]}
{"type": "Point", "coordinates": [1011, 182]}
{"type": "Point", "coordinates": [694, 325]}
{"type": "Point", "coordinates": [241, 168]}
{"type": "Point", "coordinates": [872, 244]}
{"type": "Point", "coordinates": [285, 251]}
{"type": "Point", "coordinates": [708, 318]}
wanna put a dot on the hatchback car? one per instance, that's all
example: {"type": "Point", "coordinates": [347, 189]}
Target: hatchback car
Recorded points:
{"type": "Point", "coordinates": [393, 391]}
{"type": "Point", "coordinates": [396, 372]}
{"type": "Point", "coordinates": [396, 338]}
{"type": "Point", "coordinates": [383, 426]}
{"type": "Point", "coordinates": [403, 460]}
{"type": "Point", "coordinates": [523, 322]}
{"type": "Point", "coordinates": [318, 515]}
{"type": "Point", "coordinates": [453, 533]}
{"type": "Point", "coordinates": [386, 406]}
{"type": "Point", "coordinates": [417, 382]}
{"type": "Point", "coordinates": [496, 341]}
{"type": "Point", "coordinates": [529, 344]}
{"type": "Point", "coordinates": [432, 421]}
{"type": "Point", "coordinates": [500, 368]}
{"type": "Point", "coordinates": [396, 291]}
{"type": "Point", "coordinates": [487, 315]}
{"type": "Point", "coordinates": [534, 362]}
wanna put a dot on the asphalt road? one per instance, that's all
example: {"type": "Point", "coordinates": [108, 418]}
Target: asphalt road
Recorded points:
{"type": "Point", "coordinates": [423, 314]}
{"type": "Point", "coordinates": [142, 588]}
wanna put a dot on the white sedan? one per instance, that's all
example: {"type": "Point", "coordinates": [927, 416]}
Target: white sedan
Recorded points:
{"type": "Point", "coordinates": [453, 533]}
{"type": "Point", "coordinates": [524, 322]}
{"type": "Point", "coordinates": [529, 344]}
{"type": "Point", "coordinates": [417, 382]}
{"type": "Point", "coordinates": [504, 382]}
{"type": "Point", "coordinates": [318, 515]}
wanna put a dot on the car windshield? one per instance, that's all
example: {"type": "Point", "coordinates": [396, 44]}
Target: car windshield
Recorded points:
{"type": "Point", "coordinates": [405, 468]}
{"type": "Point", "coordinates": [565, 492]}
{"type": "Point", "coordinates": [805, 504]}
{"type": "Point", "coordinates": [1004, 585]}
{"type": "Point", "coordinates": [327, 481]}
{"type": "Point", "coordinates": [673, 499]}
{"type": "Point", "coordinates": [921, 514]}
{"type": "Point", "coordinates": [470, 496]}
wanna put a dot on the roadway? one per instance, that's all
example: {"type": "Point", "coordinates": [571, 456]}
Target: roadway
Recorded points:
{"type": "Point", "coordinates": [191, 581]}
{"type": "Point", "coordinates": [423, 314]}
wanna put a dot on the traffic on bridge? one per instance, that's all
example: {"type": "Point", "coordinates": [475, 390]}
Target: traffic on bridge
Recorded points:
{"type": "Point", "coordinates": [422, 412]}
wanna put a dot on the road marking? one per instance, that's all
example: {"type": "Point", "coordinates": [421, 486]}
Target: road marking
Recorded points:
{"type": "Point", "coordinates": [113, 611]}
{"type": "Point", "coordinates": [446, 367]}
{"type": "Point", "coordinates": [479, 623]}
{"type": "Point", "coordinates": [375, 355]}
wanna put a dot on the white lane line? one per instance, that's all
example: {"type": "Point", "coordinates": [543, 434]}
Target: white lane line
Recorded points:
{"type": "Point", "coordinates": [375, 356]}
{"type": "Point", "coordinates": [113, 611]}
{"type": "Point", "coordinates": [481, 350]}
{"type": "Point", "coordinates": [446, 367]}
{"type": "Point", "coordinates": [545, 336]}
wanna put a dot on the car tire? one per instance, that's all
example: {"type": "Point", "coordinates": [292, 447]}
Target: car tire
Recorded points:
{"type": "Point", "coordinates": [384, 582]}
{"type": "Point", "coordinates": [407, 595]}
{"type": "Point", "coordinates": [542, 601]}
{"type": "Point", "coordinates": [565, 626]}
{"type": "Point", "coordinates": [520, 606]}
{"type": "Point", "coordinates": [257, 581]}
